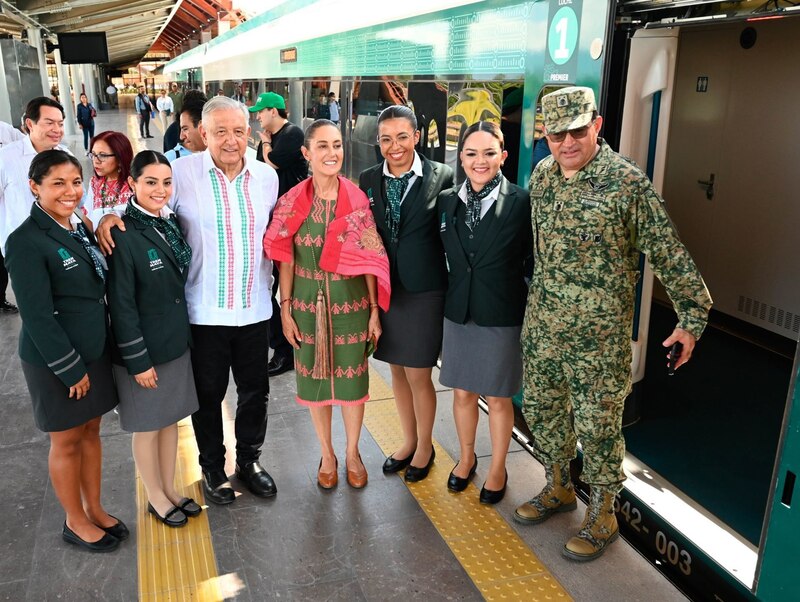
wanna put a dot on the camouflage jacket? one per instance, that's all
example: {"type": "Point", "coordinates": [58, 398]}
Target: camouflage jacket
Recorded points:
{"type": "Point", "coordinates": [588, 231]}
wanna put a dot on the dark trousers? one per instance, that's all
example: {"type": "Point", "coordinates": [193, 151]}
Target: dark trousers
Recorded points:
{"type": "Point", "coordinates": [217, 351]}
{"type": "Point", "coordinates": [277, 340]}
{"type": "Point", "coordinates": [144, 123]}
{"type": "Point", "coordinates": [4, 279]}
{"type": "Point", "coordinates": [88, 134]}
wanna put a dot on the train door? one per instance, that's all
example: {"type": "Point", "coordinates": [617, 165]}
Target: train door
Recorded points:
{"type": "Point", "coordinates": [703, 112]}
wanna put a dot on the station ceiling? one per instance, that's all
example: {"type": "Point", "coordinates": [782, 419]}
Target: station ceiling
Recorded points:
{"type": "Point", "coordinates": [133, 27]}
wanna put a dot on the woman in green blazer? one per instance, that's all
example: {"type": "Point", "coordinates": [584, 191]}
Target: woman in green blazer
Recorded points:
{"type": "Point", "coordinates": [402, 191]}
{"type": "Point", "coordinates": [485, 225]}
{"type": "Point", "coordinates": [58, 277]}
{"type": "Point", "coordinates": [153, 369]}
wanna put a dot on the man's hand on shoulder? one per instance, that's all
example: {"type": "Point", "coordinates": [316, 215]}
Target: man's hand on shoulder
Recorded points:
{"type": "Point", "coordinates": [103, 232]}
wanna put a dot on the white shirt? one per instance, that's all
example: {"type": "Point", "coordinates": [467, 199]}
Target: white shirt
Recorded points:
{"type": "Point", "coordinates": [176, 153]}
{"type": "Point", "coordinates": [16, 197]}
{"type": "Point", "coordinates": [334, 109]}
{"type": "Point", "coordinates": [486, 202]}
{"type": "Point", "coordinates": [416, 170]}
{"type": "Point", "coordinates": [164, 103]}
{"type": "Point", "coordinates": [8, 133]}
{"type": "Point", "coordinates": [224, 223]}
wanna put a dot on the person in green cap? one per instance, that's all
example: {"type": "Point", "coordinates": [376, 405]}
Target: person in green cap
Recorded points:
{"type": "Point", "coordinates": [593, 212]}
{"type": "Point", "coordinates": [280, 146]}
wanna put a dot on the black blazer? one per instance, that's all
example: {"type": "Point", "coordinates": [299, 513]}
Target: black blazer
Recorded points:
{"type": "Point", "coordinates": [416, 258]}
{"type": "Point", "coordinates": [490, 287]}
{"type": "Point", "coordinates": [61, 298]}
{"type": "Point", "coordinates": [146, 298]}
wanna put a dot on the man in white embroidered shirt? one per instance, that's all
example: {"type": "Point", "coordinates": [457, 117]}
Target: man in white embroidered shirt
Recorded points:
{"type": "Point", "coordinates": [44, 120]}
{"type": "Point", "coordinates": [224, 203]}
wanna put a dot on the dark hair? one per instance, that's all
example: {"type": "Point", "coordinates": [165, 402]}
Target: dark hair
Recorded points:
{"type": "Point", "coordinates": [47, 160]}
{"type": "Point", "coordinates": [282, 113]}
{"type": "Point", "coordinates": [194, 107]}
{"type": "Point", "coordinates": [145, 158]}
{"type": "Point", "coordinates": [192, 95]}
{"type": "Point", "coordinates": [489, 127]}
{"type": "Point", "coordinates": [331, 94]}
{"type": "Point", "coordinates": [34, 108]}
{"type": "Point", "coordinates": [121, 148]}
{"type": "Point", "coordinates": [398, 112]}
{"type": "Point", "coordinates": [319, 123]}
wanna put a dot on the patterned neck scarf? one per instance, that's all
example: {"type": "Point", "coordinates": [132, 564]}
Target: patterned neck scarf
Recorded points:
{"type": "Point", "coordinates": [170, 230]}
{"type": "Point", "coordinates": [80, 235]}
{"type": "Point", "coordinates": [473, 217]}
{"type": "Point", "coordinates": [395, 189]}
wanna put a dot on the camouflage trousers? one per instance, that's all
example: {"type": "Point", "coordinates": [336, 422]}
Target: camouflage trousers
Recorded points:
{"type": "Point", "coordinates": [570, 397]}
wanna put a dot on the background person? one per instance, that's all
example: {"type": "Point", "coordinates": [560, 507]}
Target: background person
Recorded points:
{"type": "Point", "coordinates": [593, 211]}
{"type": "Point", "coordinates": [333, 275]}
{"type": "Point", "coordinates": [487, 238]}
{"type": "Point", "coordinates": [143, 107]}
{"type": "Point", "coordinates": [333, 107]}
{"type": "Point", "coordinates": [165, 109]}
{"type": "Point", "coordinates": [402, 190]}
{"type": "Point", "coordinates": [58, 278]}
{"type": "Point", "coordinates": [153, 368]}
{"type": "Point", "coordinates": [280, 147]}
{"type": "Point", "coordinates": [108, 189]}
{"type": "Point", "coordinates": [86, 114]}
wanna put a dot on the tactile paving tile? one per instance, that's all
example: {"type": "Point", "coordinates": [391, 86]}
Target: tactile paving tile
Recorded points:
{"type": "Point", "coordinates": [499, 563]}
{"type": "Point", "coordinates": [177, 564]}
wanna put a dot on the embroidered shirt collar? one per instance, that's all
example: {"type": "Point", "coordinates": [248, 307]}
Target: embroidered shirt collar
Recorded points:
{"type": "Point", "coordinates": [208, 164]}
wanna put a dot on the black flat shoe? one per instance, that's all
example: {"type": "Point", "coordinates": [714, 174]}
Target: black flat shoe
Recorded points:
{"type": "Point", "coordinates": [414, 474]}
{"type": "Point", "coordinates": [173, 518]}
{"type": "Point", "coordinates": [217, 488]}
{"type": "Point", "coordinates": [457, 484]}
{"type": "Point", "coordinates": [120, 531]}
{"type": "Point", "coordinates": [492, 497]}
{"type": "Point", "coordinates": [279, 365]}
{"type": "Point", "coordinates": [257, 479]}
{"type": "Point", "coordinates": [107, 543]}
{"type": "Point", "coordinates": [392, 465]}
{"type": "Point", "coordinates": [189, 507]}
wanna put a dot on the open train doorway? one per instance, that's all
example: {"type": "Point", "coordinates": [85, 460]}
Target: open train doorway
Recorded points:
{"type": "Point", "coordinates": [708, 107]}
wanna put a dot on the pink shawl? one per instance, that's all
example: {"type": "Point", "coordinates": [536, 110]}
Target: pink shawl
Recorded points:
{"type": "Point", "coordinates": [352, 244]}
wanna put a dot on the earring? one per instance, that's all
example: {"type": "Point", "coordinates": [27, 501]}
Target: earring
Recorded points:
{"type": "Point", "coordinates": [36, 196]}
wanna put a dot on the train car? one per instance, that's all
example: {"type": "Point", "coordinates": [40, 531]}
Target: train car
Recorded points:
{"type": "Point", "coordinates": [700, 94]}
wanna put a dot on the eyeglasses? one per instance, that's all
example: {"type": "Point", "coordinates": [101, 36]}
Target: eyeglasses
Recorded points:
{"type": "Point", "coordinates": [577, 133]}
{"type": "Point", "coordinates": [99, 156]}
{"type": "Point", "coordinates": [387, 141]}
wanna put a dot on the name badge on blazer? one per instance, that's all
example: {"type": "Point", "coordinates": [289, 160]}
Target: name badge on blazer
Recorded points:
{"type": "Point", "coordinates": [155, 260]}
{"type": "Point", "coordinates": [67, 260]}
{"type": "Point", "coordinates": [443, 225]}
{"type": "Point", "coordinates": [369, 195]}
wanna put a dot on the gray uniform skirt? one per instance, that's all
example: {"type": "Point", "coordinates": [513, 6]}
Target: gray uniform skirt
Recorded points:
{"type": "Point", "coordinates": [53, 410]}
{"type": "Point", "coordinates": [142, 410]}
{"type": "Point", "coordinates": [482, 359]}
{"type": "Point", "coordinates": [412, 329]}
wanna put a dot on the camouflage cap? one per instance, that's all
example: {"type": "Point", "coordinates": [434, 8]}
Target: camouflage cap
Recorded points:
{"type": "Point", "coordinates": [568, 109]}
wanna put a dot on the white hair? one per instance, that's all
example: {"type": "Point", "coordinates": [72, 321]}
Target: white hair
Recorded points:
{"type": "Point", "coordinates": [223, 103]}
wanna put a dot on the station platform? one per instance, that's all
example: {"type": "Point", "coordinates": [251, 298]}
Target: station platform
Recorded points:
{"type": "Point", "coordinates": [389, 541]}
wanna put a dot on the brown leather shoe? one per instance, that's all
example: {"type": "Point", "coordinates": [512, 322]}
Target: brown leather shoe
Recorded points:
{"type": "Point", "coordinates": [328, 480]}
{"type": "Point", "coordinates": [357, 480]}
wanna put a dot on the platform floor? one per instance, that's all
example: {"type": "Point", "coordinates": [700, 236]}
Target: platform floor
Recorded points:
{"type": "Point", "coordinates": [385, 542]}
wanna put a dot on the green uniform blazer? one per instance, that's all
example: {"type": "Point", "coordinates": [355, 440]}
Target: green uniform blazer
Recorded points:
{"type": "Point", "coordinates": [490, 287]}
{"type": "Point", "coordinates": [61, 298]}
{"type": "Point", "coordinates": [416, 257]}
{"type": "Point", "coordinates": [146, 297]}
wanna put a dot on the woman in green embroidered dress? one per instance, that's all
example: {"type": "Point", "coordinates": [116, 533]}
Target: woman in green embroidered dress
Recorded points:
{"type": "Point", "coordinates": [332, 269]}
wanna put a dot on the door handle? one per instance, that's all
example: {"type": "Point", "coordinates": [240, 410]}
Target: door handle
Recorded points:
{"type": "Point", "coordinates": [709, 186]}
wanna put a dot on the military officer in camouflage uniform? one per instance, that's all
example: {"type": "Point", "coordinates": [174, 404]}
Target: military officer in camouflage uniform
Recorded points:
{"type": "Point", "coordinates": [593, 211]}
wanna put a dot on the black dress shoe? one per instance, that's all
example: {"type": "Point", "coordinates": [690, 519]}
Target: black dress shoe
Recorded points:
{"type": "Point", "coordinates": [456, 483]}
{"type": "Point", "coordinates": [8, 308]}
{"type": "Point", "coordinates": [107, 543]}
{"type": "Point", "coordinates": [189, 507]}
{"type": "Point", "coordinates": [414, 474]}
{"type": "Point", "coordinates": [492, 497]}
{"type": "Point", "coordinates": [216, 488]}
{"type": "Point", "coordinates": [391, 465]}
{"type": "Point", "coordinates": [120, 531]}
{"type": "Point", "coordinates": [173, 518]}
{"type": "Point", "coordinates": [280, 364]}
{"type": "Point", "coordinates": [257, 479]}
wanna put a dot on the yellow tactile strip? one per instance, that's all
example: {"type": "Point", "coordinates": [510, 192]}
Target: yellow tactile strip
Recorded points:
{"type": "Point", "coordinates": [177, 564]}
{"type": "Point", "coordinates": [499, 563]}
